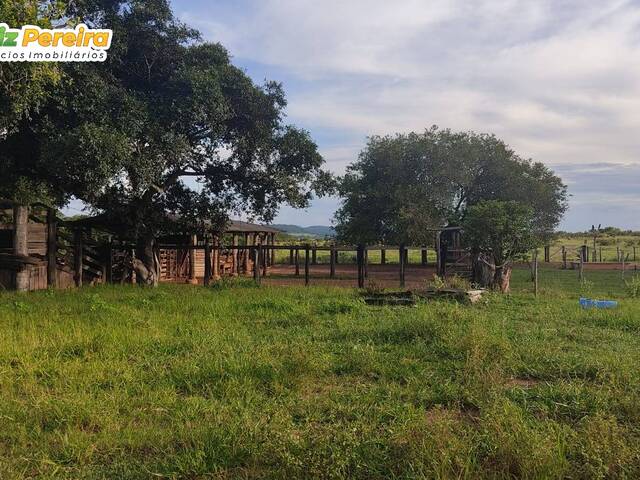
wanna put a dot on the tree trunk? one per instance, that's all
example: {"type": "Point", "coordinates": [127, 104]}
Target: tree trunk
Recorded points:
{"type": "Point", "coordinates": [21, 244]}
{"type": "Point", "coordinates": [146, 264]}
{"type": "Point", "coordinates": [482, 271]}
{"type": "Point", "coordinates": [502, 278]}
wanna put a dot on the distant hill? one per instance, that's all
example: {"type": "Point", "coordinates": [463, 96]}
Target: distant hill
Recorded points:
{"type": "Point", "coordinates": [313, 231]}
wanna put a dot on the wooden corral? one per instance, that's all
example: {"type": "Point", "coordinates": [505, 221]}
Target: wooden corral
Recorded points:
{"type": "Point", "coordinates": [180, 261]}
{"type": "Point", "coordinates": [43, 258]}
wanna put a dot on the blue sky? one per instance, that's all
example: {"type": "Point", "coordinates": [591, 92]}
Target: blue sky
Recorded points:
{"type": "Point", "coordinates": [558, 80]}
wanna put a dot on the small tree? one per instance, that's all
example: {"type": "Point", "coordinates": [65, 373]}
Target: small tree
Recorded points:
{"type": "Point", "coordinates": [498, 233]}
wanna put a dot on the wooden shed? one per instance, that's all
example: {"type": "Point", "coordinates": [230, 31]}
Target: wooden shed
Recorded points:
{"type": "Point", "coordinates": [31, 257]}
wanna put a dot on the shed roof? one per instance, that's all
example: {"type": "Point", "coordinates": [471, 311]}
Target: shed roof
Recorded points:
{"type": "Point", "coordinates": [234, 226]}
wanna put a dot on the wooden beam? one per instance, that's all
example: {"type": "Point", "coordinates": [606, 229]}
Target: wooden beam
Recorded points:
{"type": "Point", "coordinates": [306, 265]}
{"type": "Point", "coordinates": [21, 245]}
{"type": "Point", "coordinates": [234, 255]}
{"type": "Point", "coordinates": [207, 262]}
{"type": "Point", "coordinates": [193, 240]}
{"type": "Point", "coordinates": [216, 258]}
{"type": "Point", "coordinates": [77, 257]}
{"type": "Point", "coordinates": [332, 261]}
{"type": "Point", "coordinates": [52, 248]}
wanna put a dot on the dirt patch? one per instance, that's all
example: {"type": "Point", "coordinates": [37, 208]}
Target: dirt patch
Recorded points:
{"type": "Point", "coordinates": [522, 383]}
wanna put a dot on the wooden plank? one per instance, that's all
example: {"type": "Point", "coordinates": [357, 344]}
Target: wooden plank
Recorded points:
{"type": "Point", "coordinates": [77, 257]}
{"type": "Point", "coordinates": [52, 248]}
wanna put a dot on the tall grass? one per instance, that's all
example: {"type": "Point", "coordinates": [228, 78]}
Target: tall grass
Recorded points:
{"type": "Point", "coordinates": [236, 381]}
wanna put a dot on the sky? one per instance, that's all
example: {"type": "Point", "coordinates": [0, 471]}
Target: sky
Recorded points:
{"type": "Point", "coordinates": [559, 81]}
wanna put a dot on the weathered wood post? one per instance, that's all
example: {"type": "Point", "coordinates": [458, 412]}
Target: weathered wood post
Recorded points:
{"type": "Point", "coordinates": [634, 254]}
{"type": "Point", "coordinates": [402, 252]}
{"type": "Point", "coordinates": [109, 275]}
{"type": "Point", "coordinates": [617, 253]}
{"type": "Point", "coordinates": [424, 255]}
{"type": "Point", "coordinates": [256, 263]}
{"type": "Point", "coordinates": [332, 261]}
{"type": "Point", "coordinates": [234, 255]}
{"type": "Point", "coordinates": [314, 257]}
{"type": "Point", "coordinates": [583, 253]}
{"type": "Point", "coordinates": [193, 241]}
{"type": "Point", "coordinates": [581, 269]}
{"type": "Point", "coordinates": [297, 261]}
{"type": "Point", "coordinates": [215, 271]}
{"type": "Point", "coordinates": [245, 254]}
{"type": "Point", "coordinates": [600, 254]}
{"type": "Point", "coordinates": [547, 253]}
{"type": "Point", "coordinates": [207, 262]}
{"type": "Point", "coordinates": [273, 250]}
{"type": "Point", "coordinates": [360, 262]}
{"type": "Point", "coordinates": [623, 259]}
{"type": "Point", "coordinates": [52, 248]}
{"type": "Point", "coordinates": [77, 257]}
{"type": "Point", "coordinates": [266, 254]}
{"type": "Point", "coordinates": [365, 265]}
{"type": "Point", "coordinates": [564, 257]}
{"type": "Point", "coordinates": [291, 256]}
{"type": "Point", "coordinates": [535, 272]}
{"type": "Point", "coordinates": [383, 256]}
{"type": "Point", "coordinates": [306, 264]}
{"type": "Point", "coordinates": [21, 245]}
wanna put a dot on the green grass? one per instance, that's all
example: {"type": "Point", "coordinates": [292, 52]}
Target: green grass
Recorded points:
{"type": "Point", "coordinates": [243, 382]}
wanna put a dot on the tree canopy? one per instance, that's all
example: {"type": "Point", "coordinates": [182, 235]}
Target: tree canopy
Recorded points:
{"type": "Point", "coordinates": [166, 125]}
{"type": "Point", "coordinates": [404, 186]}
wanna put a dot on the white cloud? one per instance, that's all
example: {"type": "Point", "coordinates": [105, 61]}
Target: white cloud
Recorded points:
{"type": "Point", "coordinates": [558, 81]}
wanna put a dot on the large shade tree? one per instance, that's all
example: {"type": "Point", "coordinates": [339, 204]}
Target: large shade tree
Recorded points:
{"type": "Point", "coordinates": [404, 186]}
{"type": "Point", "coordinates": [167, 125]}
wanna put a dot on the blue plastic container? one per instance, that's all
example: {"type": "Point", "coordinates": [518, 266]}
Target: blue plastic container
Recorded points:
{"type": "Point", "coordinates": [589, 303]}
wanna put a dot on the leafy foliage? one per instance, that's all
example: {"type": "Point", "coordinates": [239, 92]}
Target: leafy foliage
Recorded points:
{"type": "Point", "coordinates": [401, 186]}
{"type": "Point", "coordinates": [167, 125]}
{"type": "Point", "coordinates": [503, 229]}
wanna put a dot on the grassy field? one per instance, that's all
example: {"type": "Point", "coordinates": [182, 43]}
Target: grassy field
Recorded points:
{"type": "Point", "coordinates": [243, 382]}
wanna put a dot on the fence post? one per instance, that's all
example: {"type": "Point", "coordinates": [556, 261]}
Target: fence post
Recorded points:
{"type": "Point", "coordinates": [332, 261]}
{"type": "Point", "coordinates": [634, 254]}
{"type": "Point", "coordinates": [564, 257]}
{"type": "Point", "coordinates": [314, 257]}
{"type": "Point", "coordinates": [52, 248]}
{"type": "Point", "coordinates": [547, 253]}
{"type": "Point", "coordinates": [366, 262]}
{"type": "Point", "coordinates": [424, 255]}
{"type": "Point", "coordinates": [256, 263]}
{"type": "Point", "coordinates": [291, 256]}
{"type": "Point", "coordinates": [383, 256]}
{"type": "Point", "coordinates": [583, 253]}
{"type": "Point", "coordinates": [265, 258]}
{"type": "Point", "coordinates": [306, 264]}
{"type": "Point", "coordinates": [207, 262]}
{"type": "Point", "coordinates": [623, 259]}
{"type": "Point", "coordinates": [297, 261]}
{"type": "Point", "coordinates": [77, 257]}
{"type": "Point", "coordinates": [360, 261]}
{"type": "Point", "coordinates": [402, 252]}
{"type": "Point", "coordinates": [535, 272]}
{"type": "Point", "coordinates": [109, 272]}
{"type": "Point", "coordinates": [581, 269]}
